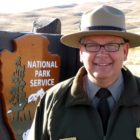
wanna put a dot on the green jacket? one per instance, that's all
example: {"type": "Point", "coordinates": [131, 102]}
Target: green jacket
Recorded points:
{"type": "Point", "coordinates": [65, 112]}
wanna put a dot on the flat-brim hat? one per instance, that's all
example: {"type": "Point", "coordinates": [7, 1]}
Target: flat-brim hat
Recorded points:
{"type": "Point", "coordinates": [105, 20]}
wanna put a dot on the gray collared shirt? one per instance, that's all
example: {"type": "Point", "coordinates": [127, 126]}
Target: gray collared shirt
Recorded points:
{"type": "Point", "coordinates": [116, 90]}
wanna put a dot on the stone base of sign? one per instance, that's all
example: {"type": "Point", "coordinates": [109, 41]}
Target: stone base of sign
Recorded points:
{"type": "Point", "coordinates": [47, 25]}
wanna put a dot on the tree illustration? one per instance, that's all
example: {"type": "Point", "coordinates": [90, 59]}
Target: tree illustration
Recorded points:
{"type": "Point", "coordinates": [18, 99]}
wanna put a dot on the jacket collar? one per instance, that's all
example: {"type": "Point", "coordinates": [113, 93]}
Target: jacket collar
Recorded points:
{"type": "Point", "coordinates": [77, 95]}
{"type": "Point", "coordinates": [130, 96]}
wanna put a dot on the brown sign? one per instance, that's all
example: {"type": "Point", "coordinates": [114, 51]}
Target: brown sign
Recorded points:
{"type": "Point", "coordinates": [26, 74]}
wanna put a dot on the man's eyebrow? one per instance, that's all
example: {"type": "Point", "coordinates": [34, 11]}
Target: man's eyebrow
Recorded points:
{"type": "Point", "coordinates": [89, 41]}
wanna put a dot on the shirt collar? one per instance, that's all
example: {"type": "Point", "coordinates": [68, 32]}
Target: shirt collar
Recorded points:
{"type": "Point", "coordinates": [115, 89]}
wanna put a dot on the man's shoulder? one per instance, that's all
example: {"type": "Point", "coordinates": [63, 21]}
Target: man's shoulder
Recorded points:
{"type": "Point", "coordinates": [130, 76]}
{"type": "Point", "coordinates": [137, 80]}
{"type": "Point", "coordinates": [59, 89]}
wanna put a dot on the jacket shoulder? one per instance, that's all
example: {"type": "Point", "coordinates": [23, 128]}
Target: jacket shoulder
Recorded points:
{"type": "Point", "coordinates": [137, 79]}
{"type": "Point", "coordinates": [60, 86]}
{"type": "Point", "coordinates": [58, 90]}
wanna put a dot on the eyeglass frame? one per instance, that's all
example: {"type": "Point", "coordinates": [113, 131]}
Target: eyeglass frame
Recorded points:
{"type": "Point", "coordinates": [99, 46]}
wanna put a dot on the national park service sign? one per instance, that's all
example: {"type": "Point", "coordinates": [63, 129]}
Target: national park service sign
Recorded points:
{"type": "Point", "coordinates": [26, 74]}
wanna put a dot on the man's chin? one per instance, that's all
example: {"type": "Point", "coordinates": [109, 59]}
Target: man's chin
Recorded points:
{"type": "Point", "coordinates": [101, 75]}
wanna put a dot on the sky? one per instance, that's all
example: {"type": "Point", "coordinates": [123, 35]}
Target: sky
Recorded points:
{"type": "Point", "coordinates": [13, 6]}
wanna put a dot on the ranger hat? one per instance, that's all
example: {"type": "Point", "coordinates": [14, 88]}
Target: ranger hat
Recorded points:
{"type": "Point", "coordinates": [105, 20]}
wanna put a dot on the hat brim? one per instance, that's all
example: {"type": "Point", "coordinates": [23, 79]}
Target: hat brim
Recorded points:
{"type": "Point", "coordinates": [73, 40]}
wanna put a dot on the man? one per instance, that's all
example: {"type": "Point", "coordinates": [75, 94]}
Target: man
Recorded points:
{"type": "Point", "coordinates": [102, 102]}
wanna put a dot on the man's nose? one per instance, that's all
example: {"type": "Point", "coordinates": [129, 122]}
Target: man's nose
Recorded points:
{"type": "Point", "coordinates": [102, 49]}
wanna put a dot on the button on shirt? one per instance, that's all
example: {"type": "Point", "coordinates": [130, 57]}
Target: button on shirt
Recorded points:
{"type": "Point", "coordinates": [116, 90]}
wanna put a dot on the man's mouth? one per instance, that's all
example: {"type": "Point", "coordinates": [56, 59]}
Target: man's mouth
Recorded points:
{"type": "Point", "coordinates": [102, 64]}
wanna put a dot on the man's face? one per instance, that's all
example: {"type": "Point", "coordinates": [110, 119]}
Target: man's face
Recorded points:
{"type": "Point", "coordinates": [103, 65]}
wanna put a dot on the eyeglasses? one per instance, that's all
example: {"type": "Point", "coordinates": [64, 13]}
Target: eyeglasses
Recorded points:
{"type": "Point", "coordinates": [110, 47]}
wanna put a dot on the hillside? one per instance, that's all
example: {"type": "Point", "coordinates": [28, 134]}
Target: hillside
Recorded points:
{"type": "Point", "coordinates": [69, 16]}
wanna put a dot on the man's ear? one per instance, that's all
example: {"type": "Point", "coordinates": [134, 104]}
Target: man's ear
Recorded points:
{"type": "Point", "coordinates": [126, 49]}
{"type": "Point", "coordinates": [80, 54]}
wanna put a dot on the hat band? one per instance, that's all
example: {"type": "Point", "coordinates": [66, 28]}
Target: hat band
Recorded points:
{"type": "Point", "coordinates": [103, 28]}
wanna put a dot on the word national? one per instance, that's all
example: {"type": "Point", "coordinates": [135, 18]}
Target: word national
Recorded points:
{"type": "Point", "coordinates": [42, 64]}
